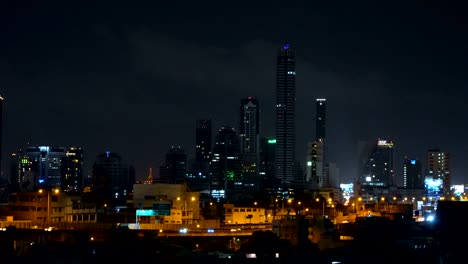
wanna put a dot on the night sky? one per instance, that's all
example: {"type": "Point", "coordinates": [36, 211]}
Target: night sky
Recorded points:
{"type": "Point", "coordinates": [133, 78]}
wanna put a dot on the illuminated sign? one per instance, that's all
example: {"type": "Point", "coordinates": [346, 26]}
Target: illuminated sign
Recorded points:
{"type": "Point", "coordinates": [145, 213]}
{"type": "Point", "coordinates": [272, 141]}
{"type": "Point", "coordinates": [385, 143]}
{"type": "Point", "coordinates": [413, 162]}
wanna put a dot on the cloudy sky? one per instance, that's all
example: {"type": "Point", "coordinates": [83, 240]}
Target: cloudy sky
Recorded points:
{"type": "Point", "coordinates": [134, 78]}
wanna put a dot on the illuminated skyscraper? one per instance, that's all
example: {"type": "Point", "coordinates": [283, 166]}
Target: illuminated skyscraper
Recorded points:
{"type": "Point", "coordinates": [23, 171]}
{"type": "Point", "coordinates": [226, 165]}
{"type": "Point", "coordinates": [267, 162]}
{"type": "Point", "coordinates": [203, 141]}
{"type": "Point", "coordinates": [438, 166]}
{"type": "Point", "coordinates": [49, 164]}
{"type": "Point", "coordinates": [199, 168]}
{"type": "Point", "coordinates": [47, 167]}
{"type": "Point", "coordinates": [316, 164]}
{"type": "Point", "coordinates": [412, 174]}
{"type": "Point", "coordinates": [72, 170]}
{"type": "Point", "coordinates": [377, 169]}
{"type": "Point", "coordinates": [249, 140]}
{"type": "Point", "coordinates": [285, 115]}
{"type": "Point", "coordinates": [320, 118]}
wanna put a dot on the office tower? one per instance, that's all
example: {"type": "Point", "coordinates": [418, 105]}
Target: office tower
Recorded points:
{"type": "Point", "coordinates": [174, 168]}
{"type": "Point", "coordinates": [316, 158]}
{"type": "Point", "coordinates": [49, 162]}
{"type": "Point", "coordinates": [438, 166]}
{"type": "Point", "coordinates": [72, 170]}
{"type": "Point", "coordinates": [377, 169]}
{"type": "Point", "coordinates": [320, 119]}
{"type": "Point", "coordinates": [1, 135]}
{"type": "Point", "coordinates": [47, 167]}
{"type": "Point", "coordinates": [315, 164]}
{"type": "Point", "coordinates": [23, 172]}
{"type": "Point", "coordinates": [412, 174]}
{"type": "Point", "coordinates": [226, 164]}
{"type": "Point", "coordinates": [203, 140]}
{"type": "Point", "coordinates": [249, 140]}
{"type": "Point", "coordinates": [111, 177]}
{"type": "Point", "coordinates": [267, 162]}
{"type": "Point", "coordinates": [198, 169]}
{"type": "Point", "coordinates": [285, 115]}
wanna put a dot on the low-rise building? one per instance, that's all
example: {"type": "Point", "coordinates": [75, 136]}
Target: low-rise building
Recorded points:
{"type": "Point", "coordinates": [171, 203]}
{"type": "Point", "coordinates": [246, 215]}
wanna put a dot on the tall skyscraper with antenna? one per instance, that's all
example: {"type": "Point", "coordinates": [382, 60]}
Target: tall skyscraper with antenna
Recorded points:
{"type": "Point", "coordinates": [250, 141]}
{"type": "Point", "coordinates": [285, 115]}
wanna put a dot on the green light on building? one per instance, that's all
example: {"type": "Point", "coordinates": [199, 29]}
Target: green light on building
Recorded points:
{"type": "Point", "coordinates": [230, 175]}
{"type": "Point", "coordinates": [272, 141]}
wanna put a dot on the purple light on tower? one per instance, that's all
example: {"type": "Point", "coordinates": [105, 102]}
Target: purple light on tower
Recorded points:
{"type": "Point", "coordinates": [286, 46]}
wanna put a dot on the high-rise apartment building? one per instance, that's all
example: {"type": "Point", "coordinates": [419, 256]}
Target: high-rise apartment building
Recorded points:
{"type": "Point", "coordinates": [249, 139]}
{"type": "Point", "coordinates": [285, 115]}
{"type": "Point", "coordinates": [203, 140]}
{"type": "Point", "coordinates": [174, 168]}
{"type": "Point", "coordinates": [72, 170]}
{"type": "Point", "coordinates": [267, 162]}
{"type": "Point", "coordinates": [315, 164]}
{"type": "Point", "coordinates": [317, 175]}
{"type": "Point", "coordinates": [438, 166]}
{"type": "Point", "coordinates": [412, 174]}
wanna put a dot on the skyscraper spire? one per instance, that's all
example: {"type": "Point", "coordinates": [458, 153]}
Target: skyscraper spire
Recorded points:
{"type": "Point", "coordinates": [150, 178]}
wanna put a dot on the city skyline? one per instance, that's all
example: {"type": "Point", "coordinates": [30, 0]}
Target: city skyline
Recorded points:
{"type": "Point", "coordinates": [134, 80]}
